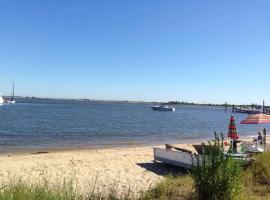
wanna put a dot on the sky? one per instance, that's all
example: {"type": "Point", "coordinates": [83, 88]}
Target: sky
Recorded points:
{"type": "Point", "coordinates": [154, 50]}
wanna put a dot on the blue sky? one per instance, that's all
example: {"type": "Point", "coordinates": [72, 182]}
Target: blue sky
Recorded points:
{"type": "Point", "coordinates": [201, 51]}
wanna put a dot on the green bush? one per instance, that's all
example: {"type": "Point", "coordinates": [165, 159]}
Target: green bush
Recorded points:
{"type": "Point", "coordinates": [215, 175]}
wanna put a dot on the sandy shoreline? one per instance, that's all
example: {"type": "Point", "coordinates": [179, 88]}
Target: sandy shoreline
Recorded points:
{"type": "Point", "coordinates": [27, 150]}
{"type": "Point", "coordinates": [121, 168]}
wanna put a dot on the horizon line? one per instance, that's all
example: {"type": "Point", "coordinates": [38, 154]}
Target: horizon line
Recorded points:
{"type": "Point", "coordinates": [135, 101]}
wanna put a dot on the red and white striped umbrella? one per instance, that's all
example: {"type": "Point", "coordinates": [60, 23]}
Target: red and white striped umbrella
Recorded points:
{"type": "Point", "coordinates": [257, 119]}
{"type": "Point", "coordinates": [232, 133]}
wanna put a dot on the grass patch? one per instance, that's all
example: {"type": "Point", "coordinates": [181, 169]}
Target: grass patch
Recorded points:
{"type": "Point", "coordinates": [256, 178]}
{"type": "Point", "coordinates": [20, 190]}
{"type": "Point", "coordinates": [174, 188]}
{"type": "Point", "coordinates": [24, 191]}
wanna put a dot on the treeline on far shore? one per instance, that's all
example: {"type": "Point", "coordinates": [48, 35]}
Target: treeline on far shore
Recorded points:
{"type": "Point", "coordinates": [34, 99]}
{"type": "Point", "coordinates": [252, 105]}
{"type": "Point", "coordinates": [200, 104]}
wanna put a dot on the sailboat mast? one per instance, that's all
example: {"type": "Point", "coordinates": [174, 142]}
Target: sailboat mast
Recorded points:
{"type": "Point", "coordinates": [12, 96]}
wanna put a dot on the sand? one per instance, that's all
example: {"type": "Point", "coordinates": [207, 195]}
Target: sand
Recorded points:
{"type": "Point", "coordinates": [119, 168]}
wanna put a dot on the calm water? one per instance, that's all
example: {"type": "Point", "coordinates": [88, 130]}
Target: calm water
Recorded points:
{"type": "Point", "coordinates": [39, 124]}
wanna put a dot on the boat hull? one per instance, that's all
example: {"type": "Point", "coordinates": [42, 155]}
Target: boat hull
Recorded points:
{"type": "Point", "coordinates": [11, 102]}
{"type": "Point", "coordinates": [187, 160]}
{"type": "Point", "coordinates": [176, 158]}
{"type": "Point", "coordinates": [158, 108]}
{"type": "Point", "coordinates": [1, 100]}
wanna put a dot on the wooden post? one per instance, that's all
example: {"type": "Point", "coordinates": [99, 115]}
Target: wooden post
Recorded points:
{"type": "Point", "coordinates": [263, 107]}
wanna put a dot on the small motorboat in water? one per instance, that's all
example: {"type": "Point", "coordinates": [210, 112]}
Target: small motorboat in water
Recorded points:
{"type": "Point", "coordinates": [163, 108]}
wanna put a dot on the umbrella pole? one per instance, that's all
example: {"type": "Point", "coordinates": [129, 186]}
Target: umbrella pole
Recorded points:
{"type": "Point", "coordinates": [231, 146]}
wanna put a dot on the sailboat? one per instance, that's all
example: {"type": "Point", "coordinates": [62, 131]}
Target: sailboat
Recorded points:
{"type": "Point", "coordinates": [1, 100]}
{"type": "Point", "coordinates": [12, 100]}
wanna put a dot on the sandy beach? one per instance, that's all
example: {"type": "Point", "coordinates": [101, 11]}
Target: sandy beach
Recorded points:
{"type": "Point", "coordinates": [118, 168]}
{"type": "Point", "coordinates": [121, 169]}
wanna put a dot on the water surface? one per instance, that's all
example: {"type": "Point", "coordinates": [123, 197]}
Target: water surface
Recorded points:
{"type": "Point", "coordinates": [38, 124]}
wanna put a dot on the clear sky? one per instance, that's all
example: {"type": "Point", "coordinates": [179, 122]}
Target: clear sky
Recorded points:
{"type": "Point", "coordinates": [201, 51]}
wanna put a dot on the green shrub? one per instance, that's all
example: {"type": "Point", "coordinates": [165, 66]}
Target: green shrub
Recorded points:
{"type": "Point", "coordinates": [216, 176]}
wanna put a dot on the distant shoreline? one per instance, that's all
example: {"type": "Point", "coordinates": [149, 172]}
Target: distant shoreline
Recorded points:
{"type": "Point", "coordinates": [172, 103]}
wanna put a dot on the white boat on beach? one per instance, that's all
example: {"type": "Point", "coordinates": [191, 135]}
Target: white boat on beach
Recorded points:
{"type": "Point", "coordinates": [163, 108]}
{"type": "Point", "coordinates": [185, 158]}
{"type": "Point", "coordinates": [174, 157]}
